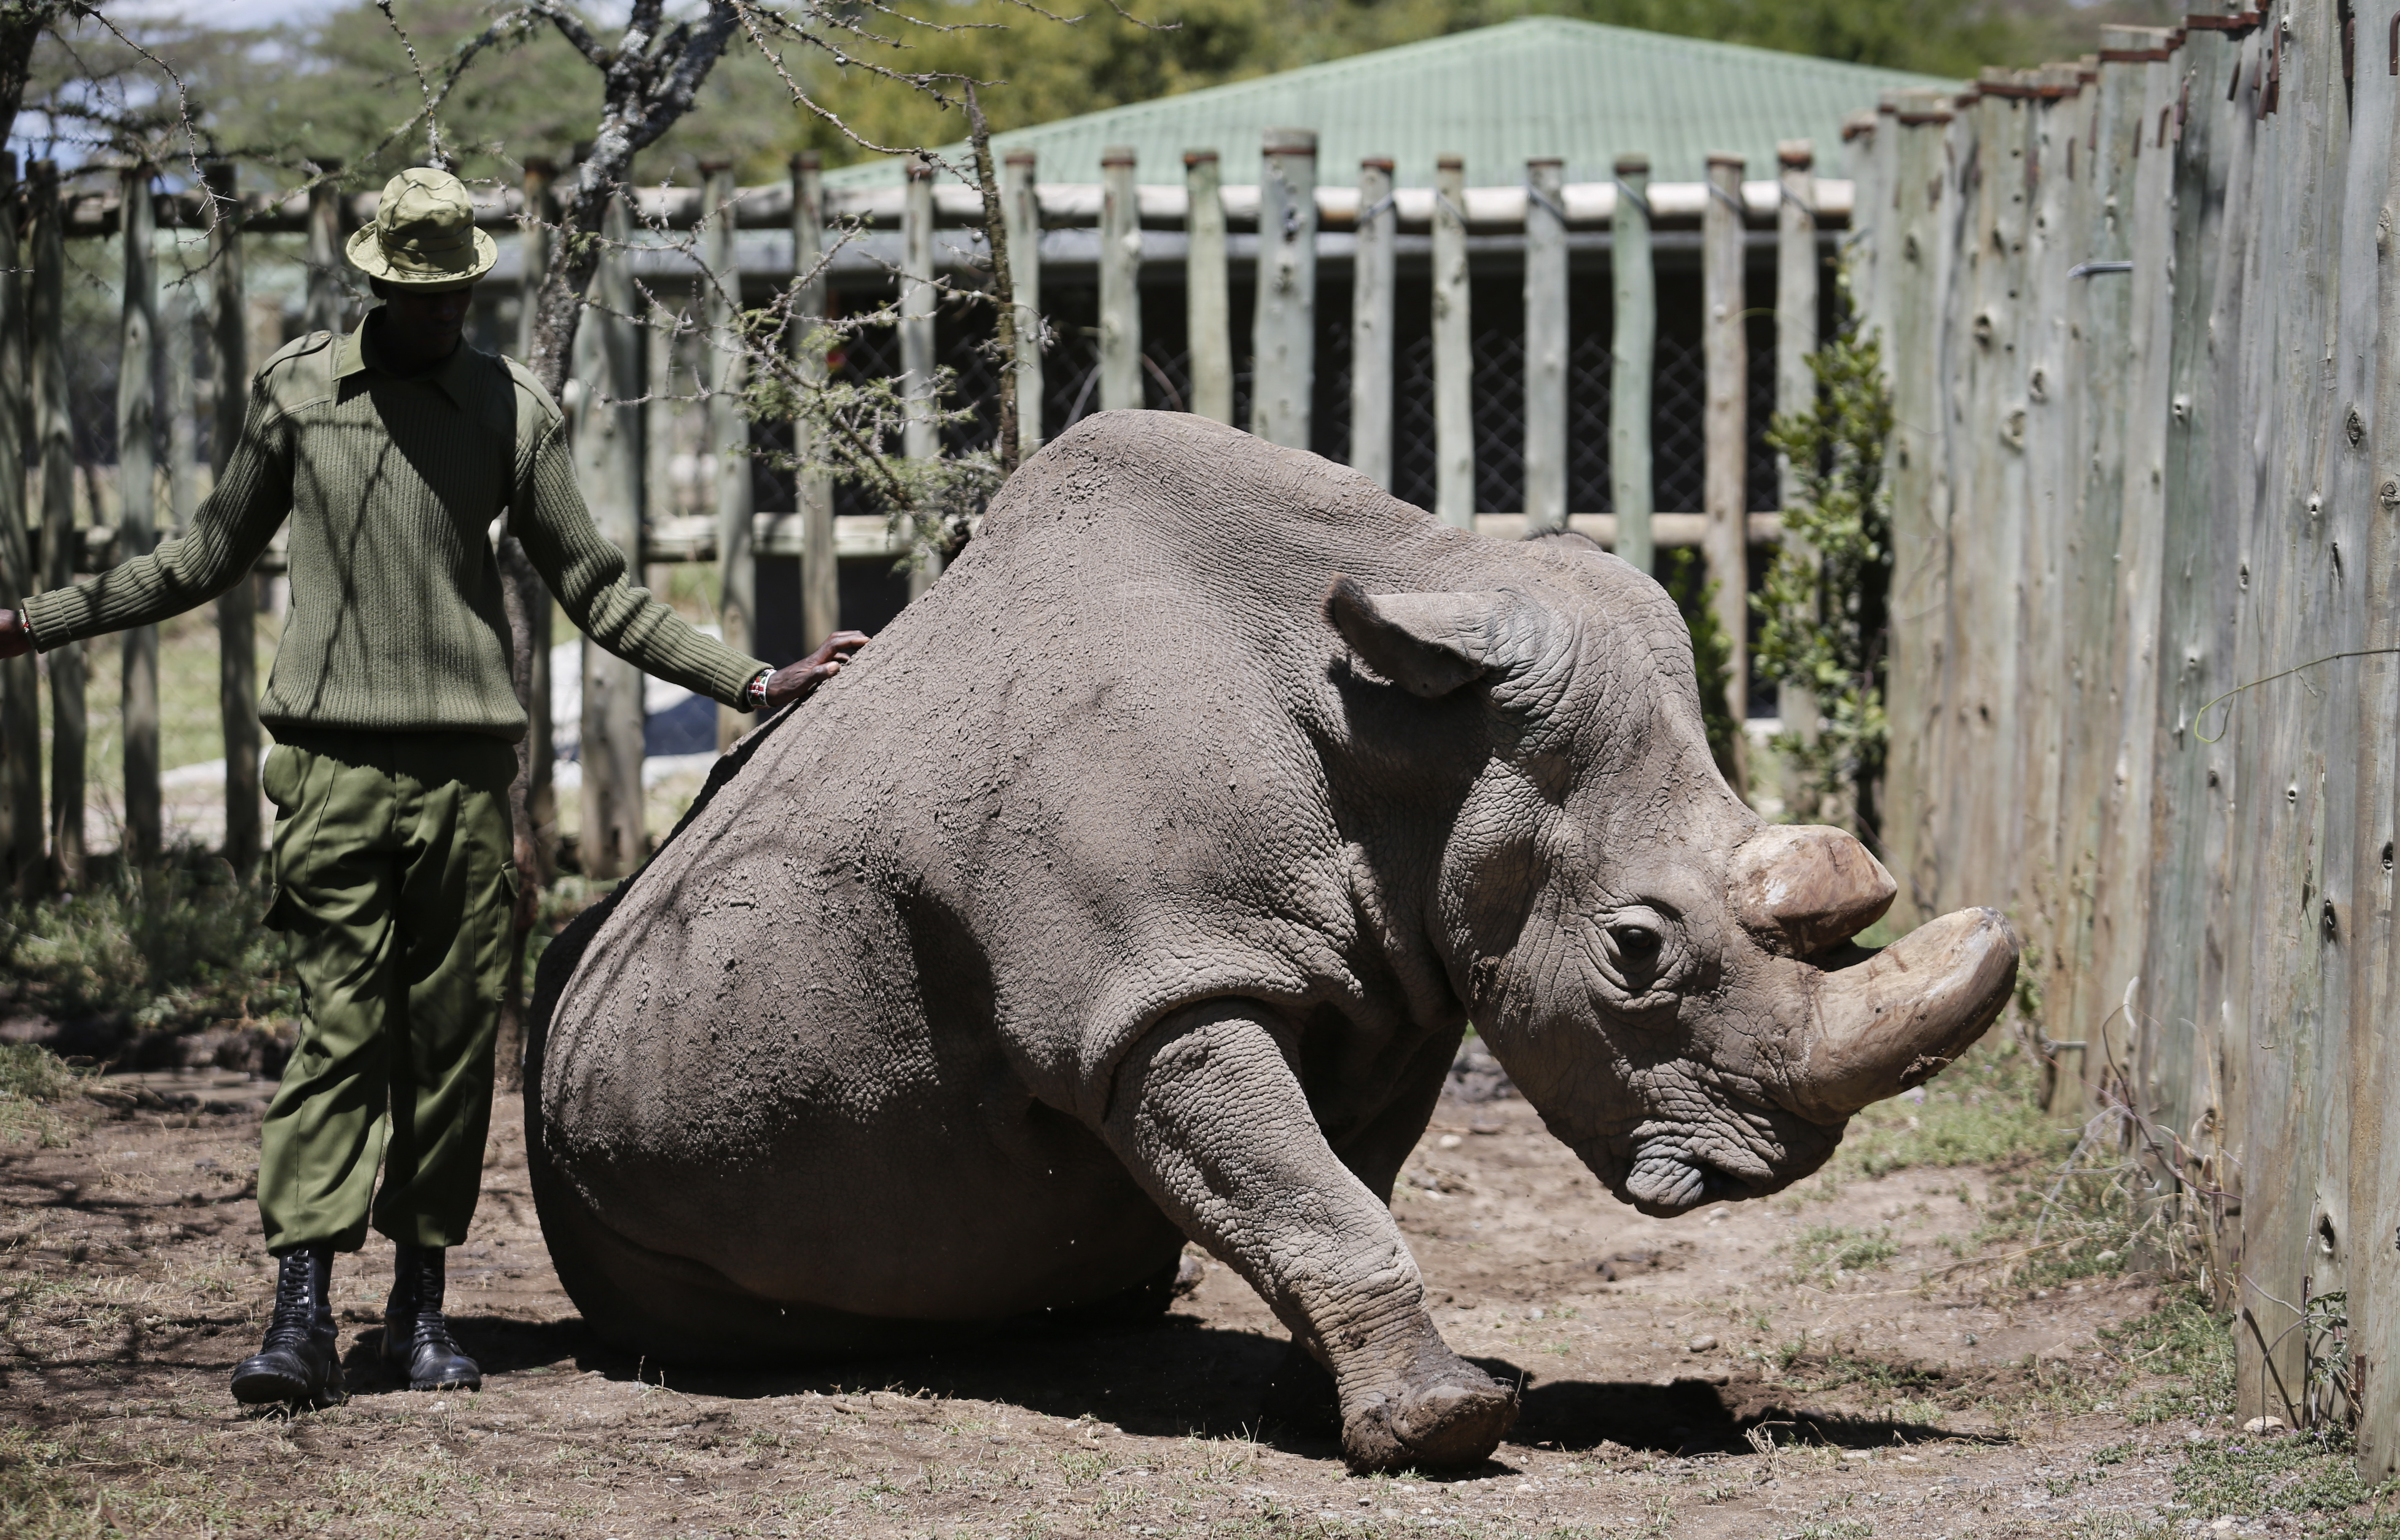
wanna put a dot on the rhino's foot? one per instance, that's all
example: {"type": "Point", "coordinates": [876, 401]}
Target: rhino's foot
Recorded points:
{"type": "Point", "coordinates": [1447, 1414]}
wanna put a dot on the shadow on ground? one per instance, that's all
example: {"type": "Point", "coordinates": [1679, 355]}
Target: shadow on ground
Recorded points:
{"type": "Point", "coordinates": [1698, 1417]}
{"type": "Point", "coordinates": [1181, 1378]}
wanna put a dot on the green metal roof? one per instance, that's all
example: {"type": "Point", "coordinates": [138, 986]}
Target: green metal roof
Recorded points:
{"type": "Point", "coordinates": [1499, 95]}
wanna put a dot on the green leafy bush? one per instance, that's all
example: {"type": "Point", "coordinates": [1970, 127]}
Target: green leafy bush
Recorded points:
{"type": "Point", "coordinates": [179, 946]}
{"type": "Point", "coordinates": [1825, 608]}
{"type": "Point", "coordinates": [1683, 572]}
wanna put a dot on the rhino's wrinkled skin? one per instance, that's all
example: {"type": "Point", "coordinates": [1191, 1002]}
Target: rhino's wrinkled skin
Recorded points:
{"type": "Point", "coordinates": [1137, 882]}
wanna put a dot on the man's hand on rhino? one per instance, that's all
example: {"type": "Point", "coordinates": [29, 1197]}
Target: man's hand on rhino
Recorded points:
{"type": "Point", "coordinates": [799, 681]}
{"type": "Point", "coordinates": [16, 636]}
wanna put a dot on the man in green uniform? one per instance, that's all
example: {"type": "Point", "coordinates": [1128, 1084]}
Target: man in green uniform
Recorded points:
{"type": "Point", "coordinates": [393, 451]}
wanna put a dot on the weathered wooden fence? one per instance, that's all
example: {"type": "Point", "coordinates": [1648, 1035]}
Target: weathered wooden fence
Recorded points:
{"type": "Point", "coordinates": [2141, 315]}
{"type": "Point", "coordinates": [1200, 233]}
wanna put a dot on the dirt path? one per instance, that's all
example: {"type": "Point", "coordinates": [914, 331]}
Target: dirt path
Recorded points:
{"type": "Point", "coordinates": [1680, 1379]}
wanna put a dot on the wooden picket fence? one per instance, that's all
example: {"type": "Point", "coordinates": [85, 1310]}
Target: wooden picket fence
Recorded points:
{"type": "Point", "coordinates": [1204, 232]}
{"type": "Point", "coordinates": [2140, 314]}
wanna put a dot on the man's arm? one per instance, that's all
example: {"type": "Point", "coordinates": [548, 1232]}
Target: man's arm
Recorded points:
{"type": "Point", "coordinates": [588, 575]}
{"type": "Point", "coordinates": [227, 536]}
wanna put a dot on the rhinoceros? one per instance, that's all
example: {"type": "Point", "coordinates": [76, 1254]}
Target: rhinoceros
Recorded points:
{"type": "Point", "coordinates": [1138, 884]}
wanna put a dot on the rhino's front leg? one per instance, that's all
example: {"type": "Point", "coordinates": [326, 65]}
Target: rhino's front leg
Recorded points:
{"type": "Point", "coordinates": [1211, 1120]}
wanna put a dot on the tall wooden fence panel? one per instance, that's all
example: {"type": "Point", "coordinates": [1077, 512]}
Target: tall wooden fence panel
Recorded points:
{"type": "Point", "coordinates": [2141, 315]}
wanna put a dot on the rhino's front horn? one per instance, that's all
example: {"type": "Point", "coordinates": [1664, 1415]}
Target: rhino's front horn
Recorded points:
{"type": "Point", "coordinates": [1802, 887]}
{"type": "Point", "coordinates": [1887, 1020]}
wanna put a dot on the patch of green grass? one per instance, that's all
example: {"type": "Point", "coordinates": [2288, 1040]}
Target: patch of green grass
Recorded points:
{"type": "Point", "coordinates": [33, 1081]}
{"type": "Point", "coordinates": [180, 946]}
{"type": "Point", "coordinates": [1828, 1251]}
{"type": "Point", "coordinates": [32, 1073]}
{"type": "Point", "coordinates": [1985, 1109]}
{"type": "Point", "coordinates": [2186, 1345]}
{"type": "Point", "coordinates": [2300, 1474]}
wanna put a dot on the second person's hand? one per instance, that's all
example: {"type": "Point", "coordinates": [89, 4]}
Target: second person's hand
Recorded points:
{"type": "Point", "coordinates": [797, 682]}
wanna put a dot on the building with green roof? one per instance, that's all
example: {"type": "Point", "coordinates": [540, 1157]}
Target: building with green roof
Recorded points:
{"type": "Point", "coordinates": [1499, 95]}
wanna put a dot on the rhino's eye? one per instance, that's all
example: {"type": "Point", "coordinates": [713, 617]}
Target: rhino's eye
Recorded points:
{"type": "Point", "coordinates": [1637, 945]}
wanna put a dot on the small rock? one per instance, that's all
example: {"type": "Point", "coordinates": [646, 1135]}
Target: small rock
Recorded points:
{"type": "Point", "coordinates": [1450, 1141]}
{"type": "Point", "coordinates": [2263, 1424]}
{"type": "Point", "coordinates": [1719, 1214]}
{"type": "Point", "coordinates": [1701, 1345]}
{"type": "Point", "coordinates": [1532, 1314]}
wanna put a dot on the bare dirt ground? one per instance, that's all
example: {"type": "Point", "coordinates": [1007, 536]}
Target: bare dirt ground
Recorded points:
{"type": "Point", "coordinates": [1819, 1365]}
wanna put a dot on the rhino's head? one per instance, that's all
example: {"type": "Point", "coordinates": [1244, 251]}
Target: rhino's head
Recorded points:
{"type": "Point", "coordinates": [1665, 975]}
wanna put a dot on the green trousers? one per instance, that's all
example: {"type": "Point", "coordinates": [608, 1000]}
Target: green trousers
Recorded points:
{"type": "Point", "coordinates": [395, 891]}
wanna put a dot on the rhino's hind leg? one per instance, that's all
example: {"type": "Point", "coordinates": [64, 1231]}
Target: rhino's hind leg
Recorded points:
{"type": "Point", "coordinates": [1209, 1117]}
{"type": "Point", "coordinates": [672, 1310]}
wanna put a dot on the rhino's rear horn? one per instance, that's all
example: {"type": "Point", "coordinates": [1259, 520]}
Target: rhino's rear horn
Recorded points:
{"type": "Point", "coordinates": [1801, 887]}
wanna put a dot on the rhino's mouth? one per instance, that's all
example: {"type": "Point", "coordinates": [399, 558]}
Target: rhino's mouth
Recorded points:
{"type": "Point", "coordinates": [1667, 1180]}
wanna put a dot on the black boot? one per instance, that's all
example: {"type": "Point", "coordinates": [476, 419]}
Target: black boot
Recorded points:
{"type": "Point", "coordinates": [417, 1344]}
{"type": "Point", "coordinates": [299, 1364]}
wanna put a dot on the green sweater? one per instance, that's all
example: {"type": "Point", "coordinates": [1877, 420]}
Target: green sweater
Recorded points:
{"type": "Point", "coordinates": [392, 485]}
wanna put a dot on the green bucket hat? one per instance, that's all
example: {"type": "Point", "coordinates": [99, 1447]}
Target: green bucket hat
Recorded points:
{"type": "Point", "coordinates": [424, 234]}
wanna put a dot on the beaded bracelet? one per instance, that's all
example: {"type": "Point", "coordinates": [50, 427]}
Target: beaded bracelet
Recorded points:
{"type": "Point", "coordinates": [755, 692]}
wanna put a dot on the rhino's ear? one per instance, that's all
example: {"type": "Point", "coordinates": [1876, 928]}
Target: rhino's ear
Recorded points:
{"type": "Point", "coordinates": [1432, 644]}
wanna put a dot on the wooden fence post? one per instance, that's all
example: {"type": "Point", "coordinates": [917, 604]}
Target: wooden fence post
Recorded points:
{"type": "Point", "coordinates": [1546, 347]}
{"type": "Point", "coordinates": [1981, 833]}
{"type": "Point", "coordinates": [1855, 254]}
{"type": "Point", "coordinates": [137, 466]}
{"type": "Point", "coordinates": [1879, 190]}
{"type": "Point", "coordinates": [2306, 607]}
{"type": "Point", "coordinates": [2101, 315]}
{"type": "Point", "coordinates": [1914, 260]}
{"type": "Point", "coordinates": [1795, 388]}
{"type": "Point", "coordinates": [1284, 336]}
{"type": "Point", "coordinates": [54, 436]}
{"type": "Point", "coordinates": [2216, 238]}
{"type": "Point", "coordinates": [2348, 1009]}
{"type": "Point", "coordinates": [2129, 661]}
{"type": "Point", "coordinates": [2372, 1156]}
{"type": "Point", "coordinates": [2043, 389]}
{"type": "Point", "coordinates": [1022, 210]}
{"type": "Point", "coordinates": [1208, 307]}
{"type": "Point", "coordinates": [177, 315]}
{"type": "Point", "coordinates": [920, 299]}
{"type": "Point", "coordinates": [237, 607]}
{"type": "Point", "coordinates": [611, 379]}
{"type": "Point", "coordinates": [1726, 432]}
{"type": "Point", "coordinates": [1120, 283]}
{"type": "Point", "coordinates": [729, 431]}
{"type": "Point", "coordinates": [1372, 270]}
{"type": "Point", "coordinates": [542, 747]}
{"type": "Point", "coordinates": [1632, 347]}
{"type": "Point", "coordinates": [21, 720]}
{"type": "Point", "coordinates": [820, 565]}
{"type": "Point", "coordinates": [1453, 359]}
{"type": "Point", "coordinates": [541, 212]}
{"type": "Point", "coordinates": [668, 408]}
{"type": "Point", "coordinates": [327, 296]}
{"type": "Point", "coordinates": [2248, 510]}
